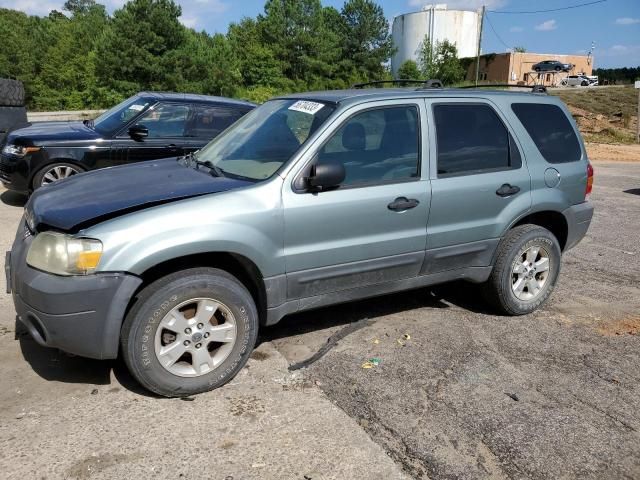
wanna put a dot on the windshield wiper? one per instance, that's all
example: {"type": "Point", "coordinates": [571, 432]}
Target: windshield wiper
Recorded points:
{"type": "Point", "coordinates": [214, 170]}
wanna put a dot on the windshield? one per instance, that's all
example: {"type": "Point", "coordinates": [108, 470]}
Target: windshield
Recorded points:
{"type": "Point", "coordinates": [114, 118]}
{"type": "Point", "coordinates": [263, 140]}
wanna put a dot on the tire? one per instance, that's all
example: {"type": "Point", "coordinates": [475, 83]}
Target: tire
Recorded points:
{"type": "Point", "coordinates": [585, 83]}
{"type": "Point", "coordinates": [11, 93]}
{"type": "Point", "coordinates": [537, 69]}
{"type": "Point", "coordinates": [557, 69]}
{"type": "Point", "coordinates": [500, 288]}
{"type": "Point", "coordinates": [148, 335]}
{"type": "Point", "coordinates": [48, 173]}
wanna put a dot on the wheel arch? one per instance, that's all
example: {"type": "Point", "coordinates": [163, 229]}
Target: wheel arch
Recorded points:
{"type": "Point", "coordinates": [241, 267]}
{"type": "Point", "coordinates": [552, 220]}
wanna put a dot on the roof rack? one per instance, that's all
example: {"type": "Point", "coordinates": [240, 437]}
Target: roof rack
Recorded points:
{"type": "Point", "coordinates": [534, 88]}
{"type": "Point", "coordinates": [431, 83]}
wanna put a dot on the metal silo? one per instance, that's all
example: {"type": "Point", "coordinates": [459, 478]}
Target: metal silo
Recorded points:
{"type": "Point", "coordinates": [458, 26]}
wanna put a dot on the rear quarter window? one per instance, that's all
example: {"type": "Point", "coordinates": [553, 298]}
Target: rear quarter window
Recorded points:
{"type": "Point", "coordinates": [550, 130]}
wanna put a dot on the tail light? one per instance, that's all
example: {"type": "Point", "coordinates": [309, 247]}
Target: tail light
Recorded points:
{"type": "Point", "coordinates": [589, 180]}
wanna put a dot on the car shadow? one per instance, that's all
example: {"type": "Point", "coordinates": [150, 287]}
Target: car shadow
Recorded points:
{"type": "Point", "coordinates": [54, 365]}
{"type": "Point", "coordinates": [462, 294]}
{"type": "Point", "coordinates": [633, 191]}
{"type": "Point", "coordinates": [13, 199]}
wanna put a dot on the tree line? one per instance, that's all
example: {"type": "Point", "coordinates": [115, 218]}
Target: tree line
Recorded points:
{"type": "Point", "coordinates": [83, 57]}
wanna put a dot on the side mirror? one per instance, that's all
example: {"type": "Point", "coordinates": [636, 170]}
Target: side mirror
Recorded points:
{"type": "Point", "coordinates": [326, 175]}
{"type": "Point", "coordinates": [138, 132]}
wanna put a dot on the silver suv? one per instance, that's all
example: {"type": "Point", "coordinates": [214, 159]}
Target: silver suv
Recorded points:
{"type": "Point", "coordinates": [309, 200]}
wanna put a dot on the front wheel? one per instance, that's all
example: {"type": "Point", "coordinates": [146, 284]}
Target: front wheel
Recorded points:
{"type": "Point", "coordinates": [189, 332]}
{"type": "Point", "coordinates": [526, 270]}
{"type": "Point", "coordinates": [55, 172]}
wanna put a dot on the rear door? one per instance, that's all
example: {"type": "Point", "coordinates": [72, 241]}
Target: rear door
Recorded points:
{"type": "Point", "coordinates": [479, 180]}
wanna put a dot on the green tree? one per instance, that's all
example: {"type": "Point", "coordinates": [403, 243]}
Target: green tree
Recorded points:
{"type": "Point", "coordinates": [366, 39]}
{"type": "Point", "coordinates": [300, 40]}
{"type": "Point", "coordinates": [519, 49]}
{"type": "Point", "coordinates": [409, 71]}
{"type": "Point", "coordinates": [67, 77]}
{"type": "Point", "coordinates": [440, 61]}
{"type": "Point", "coordinates": [132, 53]}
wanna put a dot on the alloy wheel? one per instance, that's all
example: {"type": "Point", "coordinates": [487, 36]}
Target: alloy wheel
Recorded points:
{"type": "Point", "coordinates": [530, 273]}
{"type": "Point", "coordinates": [58, 172]}
{"type": "Point", "coordinates": [195, 337]}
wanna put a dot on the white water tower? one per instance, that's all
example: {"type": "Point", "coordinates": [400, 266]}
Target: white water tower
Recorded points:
{"type": "Point", "coordinates": [460, 27]}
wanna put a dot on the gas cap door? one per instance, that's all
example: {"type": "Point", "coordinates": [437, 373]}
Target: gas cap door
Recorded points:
{"type": "Point", "coordinates": [551, 177]}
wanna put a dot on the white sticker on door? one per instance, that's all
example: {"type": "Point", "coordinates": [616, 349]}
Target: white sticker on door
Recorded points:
{"type": "Point", "coordinates": [306, 107]}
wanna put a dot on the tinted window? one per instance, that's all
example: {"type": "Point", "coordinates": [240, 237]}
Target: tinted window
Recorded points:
{"type": "Point", "coordinates": [377, 146]}
{"type": "Point", "coordinates": [165, 120]}
{"type": "Point", "coordinates": [472, 139]}
{"type": "Point", "coordinates": [115, 118]}
{"type": "Point", "coordinates": [550, 130]}
{"type": "Point", "coordinates": [208, 121]}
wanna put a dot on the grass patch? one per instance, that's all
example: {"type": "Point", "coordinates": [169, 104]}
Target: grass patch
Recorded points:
{"type": "Point", "coordinates": [601, 100]}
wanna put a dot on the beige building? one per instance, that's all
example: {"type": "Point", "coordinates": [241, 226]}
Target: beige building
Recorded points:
{"type": "Point", "coordinates": [517, 68]}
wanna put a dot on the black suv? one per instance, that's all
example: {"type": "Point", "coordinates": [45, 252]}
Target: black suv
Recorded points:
{"type": "Point", "coordinates": [147, 126]}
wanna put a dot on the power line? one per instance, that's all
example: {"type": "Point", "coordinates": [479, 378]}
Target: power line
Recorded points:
{"type": "Point", "coordinates": [549, 10]}
{"type": "Point", "coordinates": [494, 31]}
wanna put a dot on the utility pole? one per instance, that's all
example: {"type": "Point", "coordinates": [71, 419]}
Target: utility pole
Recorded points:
{"type": "Point", "coordinates": [637, 85]}
{"type": "Point", "coordinates": [479, 42]}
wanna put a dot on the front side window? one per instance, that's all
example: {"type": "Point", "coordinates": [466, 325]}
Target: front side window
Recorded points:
{"type": "Point", "coordinates": [258, 144]}
{"type": "Point", "coordinates": [209, 121]}
{"type": "Point", "coordinates": [377, 146]}
{"type": "Point", "coordinates": [550, 130]}
{"type": "Point", "coordinates": [472, 139]}
{"type": "Point", "coordinates": [115, 118]}
{"type": "Point", "coordinates": [165, 120]}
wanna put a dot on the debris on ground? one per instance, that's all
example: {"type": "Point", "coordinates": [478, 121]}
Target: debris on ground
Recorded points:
{"type": "Point", "coordinates": [372, 363]}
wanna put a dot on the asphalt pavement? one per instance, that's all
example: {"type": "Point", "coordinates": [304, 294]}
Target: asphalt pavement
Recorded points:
{"type": "Point", "coordinates": [451, 390]}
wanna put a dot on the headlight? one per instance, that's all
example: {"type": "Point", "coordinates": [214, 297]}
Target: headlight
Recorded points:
{"type": "Point", "coordinates": [63, 254]}
{"type": "Point", "coordinates": [18, 150]}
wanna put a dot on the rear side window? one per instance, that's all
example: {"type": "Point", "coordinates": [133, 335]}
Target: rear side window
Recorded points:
{"type": "Point", "coordinates": [472, 139]}
{"type": "Point", "coordinates": [550, 130]}
{"type": "Point", "coordinates": [208, 121]}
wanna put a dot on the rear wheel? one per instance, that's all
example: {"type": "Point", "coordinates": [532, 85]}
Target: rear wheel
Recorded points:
{"type": "Point", "coordinates": [55, 172]}
{"type": "Point", "coordinates": [526, 270]}
{"type": "Point", "coordinates": [557, 69]}
{"type": "Point", "coordinates": [189, 332]}
{"type": "Point", "coordinates": [537, 69]}
{"type": "Point", "coordinates": [585, 83]}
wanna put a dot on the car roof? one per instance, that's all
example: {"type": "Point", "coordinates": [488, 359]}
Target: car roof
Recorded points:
{"type": "Point", "coordinates": [372, 94]}
{"type": "Point", "coordinates": [194, 98]}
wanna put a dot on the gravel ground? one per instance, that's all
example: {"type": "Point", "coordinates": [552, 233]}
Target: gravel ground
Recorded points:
{"type": "Point", "coordinates": [458, 392]}
{"type": "Point", "coordinates": [555, 394]}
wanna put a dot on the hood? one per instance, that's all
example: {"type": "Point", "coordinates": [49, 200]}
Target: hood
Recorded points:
{"type": "Point", "coordinates": [40, 132]}
{"type": "Point", "coordinates": [91, 197]}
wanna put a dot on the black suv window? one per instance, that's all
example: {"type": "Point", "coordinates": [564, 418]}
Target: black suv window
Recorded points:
{"type": "Point", "coordinates": [550, 130]}
{"type": "Point", "coordinates": [207, 121]}
{"type": "Point", "coordinates": [472, 139]}
{"type": "Point", "coordinates": [165, 120]}
{"type": "Point", "coordinates": [377, 146]}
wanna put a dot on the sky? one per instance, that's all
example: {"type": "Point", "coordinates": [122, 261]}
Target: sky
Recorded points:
{"type": "Point", "coordinates": [613, 26]}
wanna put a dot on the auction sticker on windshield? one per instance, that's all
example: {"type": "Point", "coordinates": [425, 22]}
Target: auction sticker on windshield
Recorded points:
{"type": "Point", "coordinates": [306, 107]}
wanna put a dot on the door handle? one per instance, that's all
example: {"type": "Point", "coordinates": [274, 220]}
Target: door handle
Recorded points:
{"type": "Point", "coordinates": [172, 146]}
{"type": "Point", "coordinates": [507, 190]}
{"type": "Point", "coordinates": [401, 204]}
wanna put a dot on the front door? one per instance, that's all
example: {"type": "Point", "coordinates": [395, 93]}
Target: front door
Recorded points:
{"type": "Point", "coordinates": [372, 228]}
{"type": "Point", "coordinates": [480, 183]}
